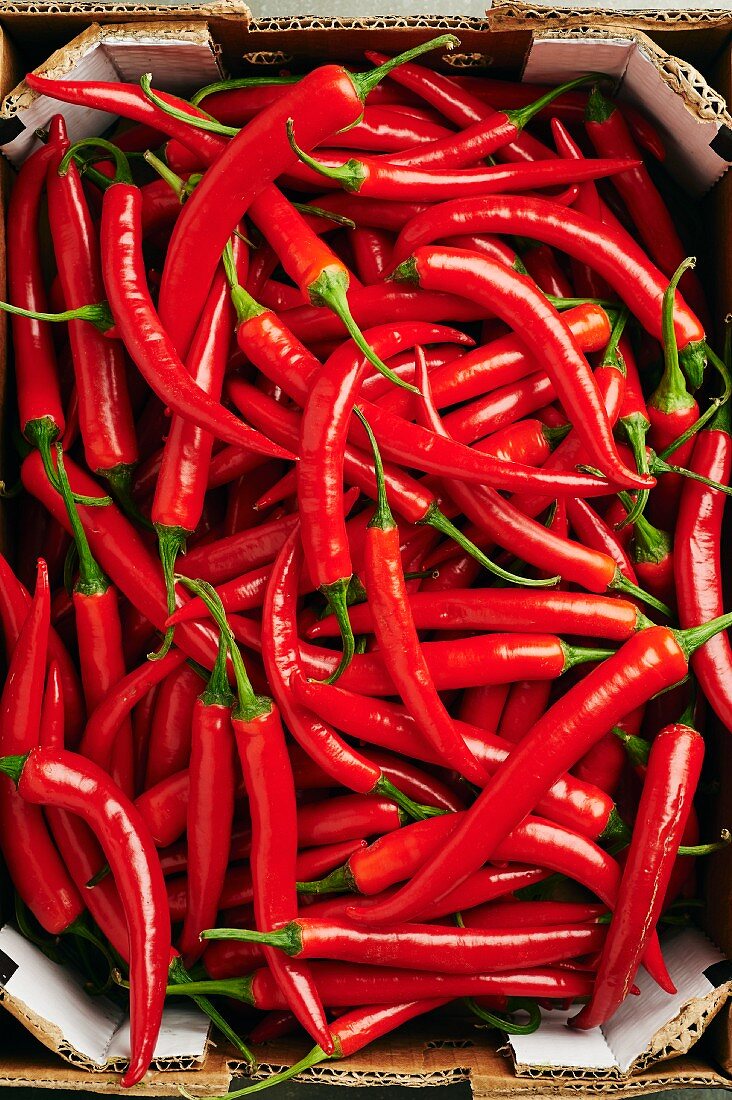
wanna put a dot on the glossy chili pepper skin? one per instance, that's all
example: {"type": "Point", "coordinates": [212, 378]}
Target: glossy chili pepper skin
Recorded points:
{"type": "Point", "coordinates": [698, 570]}
{"type": "Point", "coordinates": [105, 413]}
{"type": "Point", "coordinates": [415, 946]}
{"type": "Point", "coordinates": [36, 868]}
{"type": "Point", "coordinates": [130, 101]}
{"type": "Point", "coordinates": [674, 767]}
{"type": "Point", "coordinates": [170, 736]}
{"type": "Point", "coordinates": [619, 261]}
{"type": "Point", "coordinates": [67, 781]}
{"type": "Point", "coordinates": [517, 301]}
{"type": "Point", "coordinates": [647, 663]}
{"type": "Point", "coordinates": [582, 808]}
{"type": "Point", "coordinates": [40, 406]}
{"type": "Point", "coordinates": [138, 323]}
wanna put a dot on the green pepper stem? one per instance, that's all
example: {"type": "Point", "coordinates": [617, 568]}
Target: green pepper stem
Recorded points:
{"type": "Point", "coordinates": [249, 705]}
{"type": "Point", "coordinates": [718, 409]}
{"type": "Point", "coordinates": [651, 543]}
{"type": "Point", "coordinates": [330, 289]}
{"type": "Point", "coordinates": [637, 748]}
{"type": "Point", "coordinates": [693, 359]}
{"type": "Point", "coordinates": [611, 356]}
{"type": "Point", "coordinates": [616, 829]}
{"type": "Point", "coordinates": [238, 989]}
{"type": "Point", "coordinates": [671, 393]}
{"type": "Point", "coordinates": [121, 478]}
{"type": "Point", "coordinates": [314, 1058]}
{"type": "Point", "coordinates": [217, 692]}
{"type": "Point", "coordinates": [503, 1023]}
{"type": "Point", "coordinates": [327, 215]}
{"type": "Point", "coordinates": [620, 583]}
{"type": "Point", "coordinates": [521, 116]}
{"type": "Point", "coordinates": [415, 810]}
{"type": "Point", "coordinates": [92, 580]}
{"type": "Point", "coordinates": [122, 172]}
{"type": "Point", "coordinates": [242, 82]}
{"type": "Point", "coordinates": [246, 307]}
{"type": "Point", "coordinates": [572, 303]}
{"type": "Point", "coordinates": [42, 433]}
{"type": "Point", "coordinates": [197, 120]}
{"type": "Point", "coordinates": [337, 596]}
{"type": "Point", "coordinates": [178, 972]}
{"type": "Point", "coordinates": [12, 766]}
{"type": "Point", "coordinates": [580, 655]}
{"type": "Point", "coordinates": [176, 183]}
{"type": "Point", "coordinates": [97, 314]}
{"type": "Point", "coordinates": [339, 881]}
{"type": "Point", "coordinates": [382, 517]}
{"type": "Point", "coordinates": [694, 637]}
{"type": "Point", "coordinates": [599, 108]}
{"type": "Point", "coordinates": [435, 518]}
{"type": "Point", "coordinates": [366, 82]}
{"type": "Point", "coordinates": [288, 938]}
{"type": "Point", "coordinates": [350, 175]}
{"type": "Point", "coordinates": [171, 543]}
{"type": "Point", "coordinates": [657, 465]}
{"type": "Point", "coordinates": [707, 849]}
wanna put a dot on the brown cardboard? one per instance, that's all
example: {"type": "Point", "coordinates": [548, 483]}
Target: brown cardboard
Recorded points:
{"type": "Point", "coordinates": [439, 1050]}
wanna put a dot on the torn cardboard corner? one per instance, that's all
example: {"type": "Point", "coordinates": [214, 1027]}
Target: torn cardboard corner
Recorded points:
{"type": "Point", "coordinates": [659, 14]}
{"type": "Point", "coordinates": [90, 1032]}
{"type": "Point", "coordinates": [692, 118]}
{"type": "Point", "coordinates": [180, 56]}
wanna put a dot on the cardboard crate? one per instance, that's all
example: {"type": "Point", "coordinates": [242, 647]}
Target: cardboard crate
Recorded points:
{"type": "Point", "coordinates": [655, 56]}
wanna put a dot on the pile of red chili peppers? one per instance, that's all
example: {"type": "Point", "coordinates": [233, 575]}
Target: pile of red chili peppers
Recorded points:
{"type": "Point", "coordinates": [367, 600]}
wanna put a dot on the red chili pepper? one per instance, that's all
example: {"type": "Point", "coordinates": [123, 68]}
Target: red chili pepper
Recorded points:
{"type": "Point", "coordinates": [506, 524]}
{"type": "Point", "coordinates": [650, 661]}
{"type": "Point", "coordinates": [698, 569]}
{"type": "Point", "coordinates": [34, 864]}
{"type": "Point", "coordinates": [52, 710]}
{"type": "Point", "coordinates": [40, 405]}
{"type": "Point", "coordinates": [527, 700]}
{"type": "Point", "coordinates": [673, 772]}
{"type": "Point", "coordinates": [224, 558]}
{"type": "Point", "coordinates": [377, 178]}
{"type": "Point", "coordinates": [14, 603]}
{"type": "Point", "coordinates": [319, 274]}
{"type": "Point", "coordinates": [210, 807]}
{"type": "Point", "coordinates": [326, 100]}
{"type": "Point", "coordinates": [516, 301]}
{"type": "Point", "coordinates": [515, 914]}
{"type": "Point", "coordinates": [482, 706]}
{"type": "Point", "coordinates": [608, 131]}
{"type": "Point", "coordinates": [340, 981]}
{"type": "Point", "coordinates": [181, 486]}
{"type": "Point", "coordinates": [622, 263]}
{"type": "Point", "coordinates": [372, 252]}
{"type": "Point", "coordinates": [541, 264]}
{"type": "Point", "coordinates": [119, 701]}
{"type": "Point", "coordinates": [99, 635]}
{"type": "Point", "coordinates": [594, 532]}
{"type": "Point", "coordinates": [169, 749]}
{"type": "Point", "coordinates": [67, 781]}
{"type": "Point", "coordinates": [581, 808]}
{"type": "Point", "coordinates": [398, 640]}
{"type": "Point", "coordinates": [105, 413]}
{"type": "Point", "coordinates": [262, 751]}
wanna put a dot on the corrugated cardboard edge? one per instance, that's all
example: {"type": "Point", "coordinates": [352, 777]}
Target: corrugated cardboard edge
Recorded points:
{"type": "Point", "coordinates": [53, 1039]}
{"type": "Point", "coordinates": [684, 80]}
{"type": "Point", "coordinates": [212, 8]}
{"type": "Point", "coordinates": [513, 15]}
{"type": "Point", "coordinates": [63, 61]}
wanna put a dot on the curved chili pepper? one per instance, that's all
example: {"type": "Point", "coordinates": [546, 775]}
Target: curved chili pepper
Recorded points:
{"type": "Point", "coordinates": [527, 700]}
{"type": "Point", "coordinates": [210, 807]}
{"type": "Point", "coordinates": [513, 914]}
{"type": "Point", "coordinates": [595, 532]}
{"type": "Point", "coordinates": [320, 275]}
{"type": "Point", "coordinates": [105, 413]}
{"type": "Point", "coordinates": [398, 640]}
{"type": "Point", "coordinates": [326, 100]}
{"type": "Point", "coordinates": [515, 299]}
{"type": "Point", "coordinates": [14, 603]}
{"type": "Point", "coordinates": [224, 558]}
{"type": "Point", "coordinates": [415, 946]}
{"type": "Point", "coordinates": [67, 781]}
{"type": "Point", "coordinates": [371, 251]}
{"type": "Point", "coordinates": [377, 178]}
{"type": "Point", "coordinates": [501, 362]}
{"type": "Point", "coordinates": [169, 749]}
{"type": "Point", "coordinates": [482, 706]}
{"type": "Point", "coordinates": [337, 980]}
{"type": "Point", "coordinates": [650, 661]}
{"type": "Point", "coordinates": [581, 808]}
{"type": "Point", "coordinates": [98, 632]}
{"type": "Point", "coordinates": [119, 701]}
{"type": "Point", "coordinates": [620, 262]}
{"type": "Point", "coordinates": [530, 540]}
{"type": "Point", "coordinates": [34, 864]}
{"type": "Point", "coordinates": [40, 406]}
{"type": "Point", "coordinates": [608, 131]}
{"type": "Point", "coordinates": [181, 486]}
{"type": "Point", "coordinates": [698, 569]}
{"type": "Point", "coordinates": [674, 766]}
{"type": "Point", "coordinates": [262, 751]}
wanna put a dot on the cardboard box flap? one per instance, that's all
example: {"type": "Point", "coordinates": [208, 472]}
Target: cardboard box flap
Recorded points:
{"type": "Point", "coordinates": [645, 1028]}
{"type": "Point", "coordinates": [652, 13]}
{"type": "Point", "coordinates": [92, 1032]}
{"type": "Point", "coordinates": [179, 55]}
{"type": "Point", "coordinates": [693, 120]}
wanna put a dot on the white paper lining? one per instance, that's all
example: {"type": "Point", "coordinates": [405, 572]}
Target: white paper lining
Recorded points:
{"type": "Point", "coordinates": [628, 1034]}
{"type": "Point", "coordinates": [94, 1027]}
